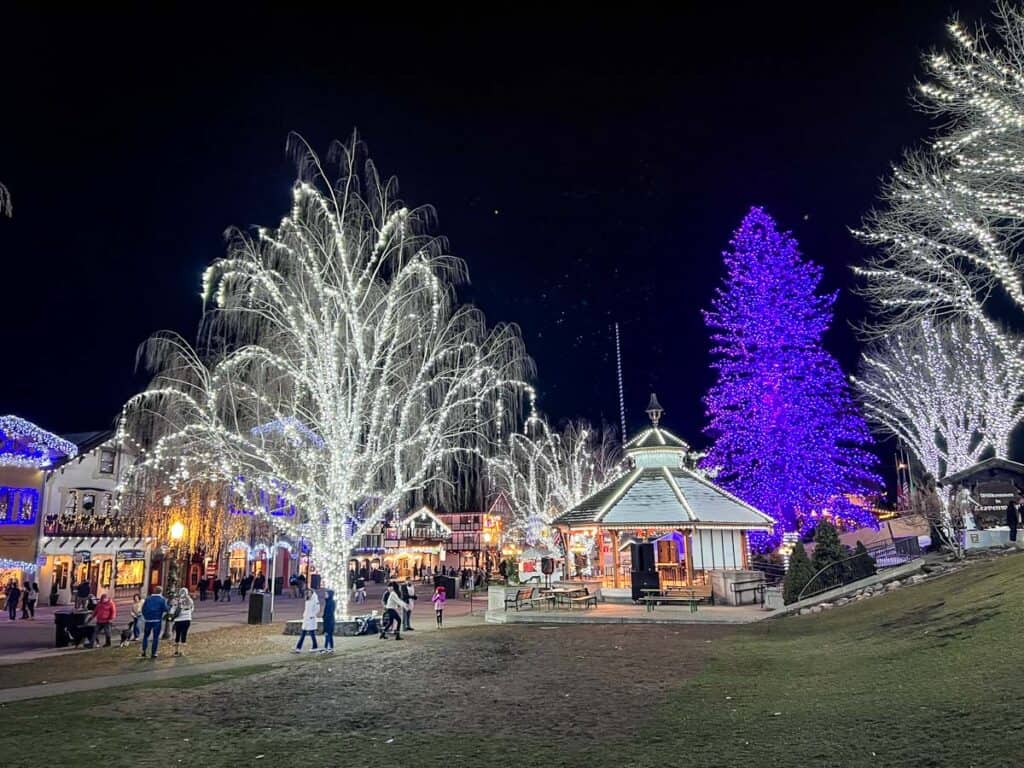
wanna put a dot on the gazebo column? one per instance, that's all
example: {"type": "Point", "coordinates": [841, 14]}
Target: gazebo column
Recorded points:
{"type": "Point", "coordinates": [746, 550]}
{"type": "Point", "coordinates": [567, 542]}
{"type": "Point", "coordinates": [688, 537]}
{"type": "Point", "coordinates": [615, 558]}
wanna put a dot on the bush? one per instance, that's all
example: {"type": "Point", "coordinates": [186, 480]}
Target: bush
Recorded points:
{"type": "Point", "coordinates": [863, 565]}
{"type": "Point", "coordinates": [799, 573]}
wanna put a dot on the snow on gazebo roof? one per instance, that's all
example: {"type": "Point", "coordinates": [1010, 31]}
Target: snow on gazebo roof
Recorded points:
{"type": "Point", "coordinates": [23, 444]}
{"type": "Point", "coordinates": [662, 493]}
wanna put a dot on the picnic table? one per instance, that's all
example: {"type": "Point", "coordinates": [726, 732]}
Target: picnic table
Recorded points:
{"type": "Point", "coordinates": [570, 596]}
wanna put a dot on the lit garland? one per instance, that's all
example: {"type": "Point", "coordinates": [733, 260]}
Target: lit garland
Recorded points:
{"type": "Point", "coordinates": [788, 438]}
{"type": "Point", "coordinates": [341, 328]}
{"type": "Point", "coordinates": [545, 473]}
{"type": "Point", "coordinates": [945, 390]}
{"type": "Point", "coordinates": [23, 444]}
{"type": "Point", "coordinates": [22, 565]}
{"type": "Point", "coordinates": [953, 214]}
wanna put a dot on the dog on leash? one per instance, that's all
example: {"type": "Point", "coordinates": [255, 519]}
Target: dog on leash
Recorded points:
{"type": "Point", "coordinates": [126, 637]}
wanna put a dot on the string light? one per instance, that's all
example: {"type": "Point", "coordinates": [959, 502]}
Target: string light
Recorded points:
{"type": "Point", "coordinates": [544, 473]}
{"type": "Point", "coordinates": [953, 214]}
{"type": "Point", "coordinates": [945, 390]}
{"type": "Point", "coordinates": [344, 378]}
{"type": "Point", "coordinates": [23, 444]}
{"type": "Point", "coordinates": [788, 437]}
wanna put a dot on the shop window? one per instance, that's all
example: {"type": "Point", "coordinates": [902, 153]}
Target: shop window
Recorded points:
{"type": "Point", "coordinates": [18, 506]}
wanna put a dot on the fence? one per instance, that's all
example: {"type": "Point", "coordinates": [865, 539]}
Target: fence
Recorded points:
{"type": "Point", "coordinates": [886, 554]}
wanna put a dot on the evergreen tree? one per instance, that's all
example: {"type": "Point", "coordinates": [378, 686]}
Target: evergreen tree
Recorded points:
{"type": "Point", "coordinates": [799, 573]}
{"type": "Point", "coordinates": [828, 550]}
{"type": "Point", "coordinates": [787, 434]}
{"type": "Point", "coordinates": [864, 564]}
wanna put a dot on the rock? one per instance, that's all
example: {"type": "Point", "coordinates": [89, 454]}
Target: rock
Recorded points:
{"type": "Point", "coordinates": [816, 609]}
{"type": "Point", "coordinates": [826, 606]}
{"type": "Point", "coordinates": [804, 611]}
{"type": "Point", "coordinates": [917, 578]}
{"type": "Point", "coordinates": [842, 601]}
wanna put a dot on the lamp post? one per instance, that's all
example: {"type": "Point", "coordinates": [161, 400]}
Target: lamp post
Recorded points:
{"type": "Point", "coordinates": [177, 534]}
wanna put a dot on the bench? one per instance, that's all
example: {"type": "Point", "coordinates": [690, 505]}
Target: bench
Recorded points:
{"type": "Point", "coordinates": [525, 598]}
{"type": "Point", "coordinates": [757, 586]}
{"type": "Point", "coordinates": [583, 600]}
{"type": "Point", "coordinates": [690, 597]}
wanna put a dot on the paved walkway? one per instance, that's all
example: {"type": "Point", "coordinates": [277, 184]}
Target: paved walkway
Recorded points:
{"type": "Point", "coordinates": [617, 613]}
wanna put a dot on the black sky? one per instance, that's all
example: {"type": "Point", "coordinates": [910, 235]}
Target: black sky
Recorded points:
{"type": "Point", "coordinates": [589, 169]}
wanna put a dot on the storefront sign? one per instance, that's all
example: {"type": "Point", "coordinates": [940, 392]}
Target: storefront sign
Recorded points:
{"type": "Point", "coordinates": [131, 554]}
{"type": "Point", "coordinates": [82, 556]}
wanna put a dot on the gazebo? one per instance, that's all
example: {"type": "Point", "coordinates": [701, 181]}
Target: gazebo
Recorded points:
{"type": "Point", "coordinates": [696, 527]}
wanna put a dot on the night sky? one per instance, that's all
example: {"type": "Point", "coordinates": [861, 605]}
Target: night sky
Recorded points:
{"type": "Point", "coordinates": [589, 170]}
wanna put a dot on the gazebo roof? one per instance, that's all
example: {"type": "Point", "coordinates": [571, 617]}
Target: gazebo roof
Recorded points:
{"type": "Point", "coordinates": [663, 497]}
{"type": "Point", "coordinates": [656, 437]}
{"type": "Point", "coordinates": [23, 444]}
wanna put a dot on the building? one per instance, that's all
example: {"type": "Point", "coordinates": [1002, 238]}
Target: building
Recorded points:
{"type": "Point", "coordinates": [988, 487]}
{"type": "Point", "coordinates": [86, 535]}
{"type": "Point", "coordinates": [476, 536]}
{"type": "Point", "coordinates": [419, 540]}
{"type": "Point", "coordinates": [27, 453]}
{"type": "Point", "coordinates": [696, 528]}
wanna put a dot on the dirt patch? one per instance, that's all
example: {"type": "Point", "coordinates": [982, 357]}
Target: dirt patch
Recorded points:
{"type": "Point", "coordinates": [472, 681]}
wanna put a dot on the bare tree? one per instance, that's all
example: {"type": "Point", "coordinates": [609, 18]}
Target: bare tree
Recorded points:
{"type": "Point", "coordinates": [952, 217]}
{"type": "Point", "coordinates": [336, 372]}
{"type": "Point", "coordinates": [945, 390]}
{"type": "Point", "coordinates": [544, 473]}
{"type": "Point", "coordinates": [5, 202]}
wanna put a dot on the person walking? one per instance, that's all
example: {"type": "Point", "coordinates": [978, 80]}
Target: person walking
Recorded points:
{"type": "Point", "coordinates": [33, 600]}
{"type": "Point", "coordinates": [216, 590]}
{"type": "Point", "coordinates": [360, 589]}
{"type": "Point", "coordinates": [105, 614]}
{"type": "Point", "coordinates": [309, 611]}
{"type": "Point", "coordinates": [13, 598]}
{"type": "Point", "coordinates": [409, 596]}
{"type": "Point", "coordinates": [153, 609]}
{"type": "Point", "coordinates": [182, 612]}
{"type": "Point", "coordinates": [225, 589]}
{"type": "Point", "coordinates": [329, 608]}
{"type": "Point", "coordinates": [438, 600]}
{"type": "Point", "coordinates": [136, 616]}
{"type": "Point", "coordinates": [82, 592]}
{"type": "Point", "coordinates": [394, 605]}
{"type": "Point", "coordinates": [204, 585]}
{"type": "Point", "coordinates": [260, 583]}
{"type": "Point", "coordinates": [26, 588]}
{"type": "Point", "coordinates": [1012, 519]}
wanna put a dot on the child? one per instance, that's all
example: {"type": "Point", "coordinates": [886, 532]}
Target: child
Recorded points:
{"type": "Point", "coordinates": [438, 601]}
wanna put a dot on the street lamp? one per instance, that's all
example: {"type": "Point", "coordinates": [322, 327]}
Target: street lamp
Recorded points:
{"type": "Point", "coordinates": [177, 530]}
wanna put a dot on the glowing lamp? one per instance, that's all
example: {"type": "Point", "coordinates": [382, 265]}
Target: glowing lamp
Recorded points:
{"type": "Point", "coordinates": [177, 530]}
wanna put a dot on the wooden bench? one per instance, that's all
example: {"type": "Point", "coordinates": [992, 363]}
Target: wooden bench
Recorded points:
{"type": "Point", "coordinates": [583, 600]}
{"type": "Point", "coordinates": [526, 598]}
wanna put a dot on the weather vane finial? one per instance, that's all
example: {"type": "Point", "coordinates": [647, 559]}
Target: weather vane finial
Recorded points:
{"type": "Point", "coordinates": [654, 410]}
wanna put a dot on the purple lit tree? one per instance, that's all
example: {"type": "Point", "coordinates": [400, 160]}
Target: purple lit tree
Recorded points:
{"type": "Point", "coordinates": [788, 437]}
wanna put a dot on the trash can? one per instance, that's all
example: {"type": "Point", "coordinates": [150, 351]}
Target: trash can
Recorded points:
{"type": "Point", "coordinates": [62, 621]}
{"type": "Point", "coordinates": [278, 585]}
{"type": "Point", "coordinates": [259, 608]}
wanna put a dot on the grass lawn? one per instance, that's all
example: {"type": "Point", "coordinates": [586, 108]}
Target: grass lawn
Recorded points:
{"type": "Point", "coordinates": [926, 676]}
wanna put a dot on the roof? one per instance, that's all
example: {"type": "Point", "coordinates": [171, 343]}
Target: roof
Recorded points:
{"type": "Point", "coordinates": [664, 497]}
{"type": "Point", "coordinates": [991, 466]}
{"type": "Point", "coordinates": [86, 441]}
{"type": "Point", "coordinates": [656, 437]}
{"type": "Point", "coordinates": [23, 444]}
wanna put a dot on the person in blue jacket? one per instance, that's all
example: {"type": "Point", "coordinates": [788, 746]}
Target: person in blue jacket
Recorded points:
{"type": "Point", "coordinates": [328, 621]}
{"type": "Point", "coordinates": [153, 609]}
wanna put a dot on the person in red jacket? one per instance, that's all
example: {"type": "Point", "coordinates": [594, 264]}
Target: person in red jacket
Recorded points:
{"type": "Point", "coordinates": [105, 613]}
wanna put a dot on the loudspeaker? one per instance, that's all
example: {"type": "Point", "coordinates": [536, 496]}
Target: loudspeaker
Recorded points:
{"type": "Point", "coordinates": [645, 558]}
{"type": "Point", "coordinates": [547, 565]}
{"type": "Point", "coordinates": [643, 580]}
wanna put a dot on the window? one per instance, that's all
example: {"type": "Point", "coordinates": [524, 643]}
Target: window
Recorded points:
{"type": "Point", "coordinates": [107, 456]}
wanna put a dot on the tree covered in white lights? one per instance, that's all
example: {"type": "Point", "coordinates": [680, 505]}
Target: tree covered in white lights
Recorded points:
{"type": "Point", "coordinates": [544, 472]}
{"type": "Point", "coordinates": [952, 218]}
{"type": "Point", "coordinates": [945, 390]}
{"type": "Point", "coordinates": [336, 372]}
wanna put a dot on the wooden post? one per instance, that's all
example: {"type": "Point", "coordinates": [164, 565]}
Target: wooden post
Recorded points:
{"type": "Point", "coordinates": [746, 553]}
{"type": "Point", "coordinates": [689, 557]}
{"type": "Point", "coordinates": [615, 558]}
{"type": "Point", "coordinates": [567, 539]}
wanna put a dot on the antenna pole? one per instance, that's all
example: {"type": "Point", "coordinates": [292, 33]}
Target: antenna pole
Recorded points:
{"type": "Point", "coordinates": [622, 399]}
